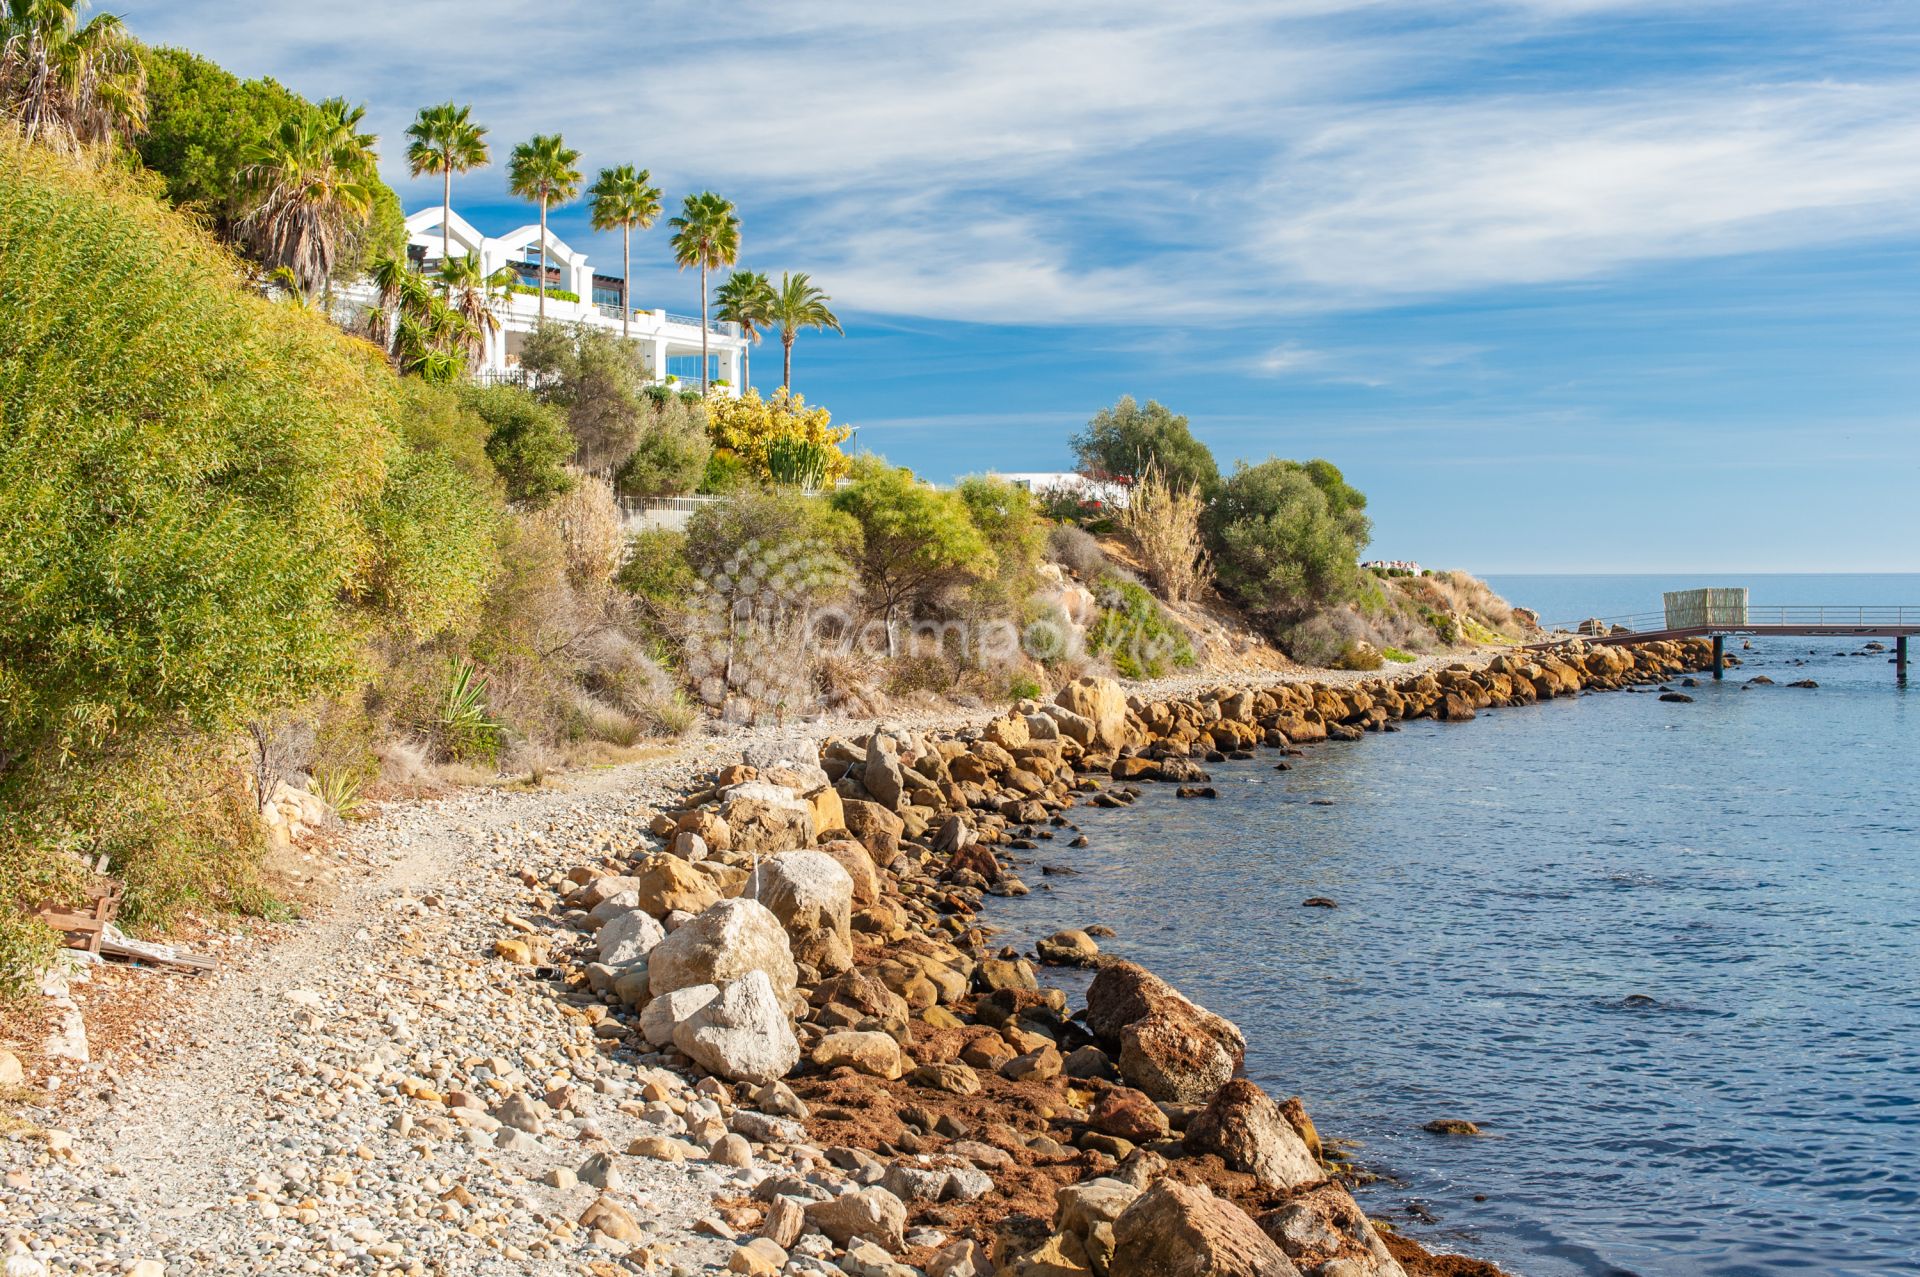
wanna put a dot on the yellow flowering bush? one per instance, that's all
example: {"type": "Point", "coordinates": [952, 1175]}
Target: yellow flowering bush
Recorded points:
{"type": "Point", "coordinates": [746, 427]}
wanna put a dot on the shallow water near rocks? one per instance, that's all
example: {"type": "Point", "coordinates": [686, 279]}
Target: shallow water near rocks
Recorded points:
{"type": "Point", "coordinates": [1667, 956]}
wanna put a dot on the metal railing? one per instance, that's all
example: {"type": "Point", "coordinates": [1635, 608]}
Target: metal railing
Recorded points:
{"type": "Point", "coordinates": [640, 505]}
{"type": "Point", "coordinates": [1776, 616]}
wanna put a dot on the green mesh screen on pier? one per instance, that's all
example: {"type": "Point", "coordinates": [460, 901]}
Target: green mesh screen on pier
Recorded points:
{"type": "Point", "coordinates": [1689, 608]}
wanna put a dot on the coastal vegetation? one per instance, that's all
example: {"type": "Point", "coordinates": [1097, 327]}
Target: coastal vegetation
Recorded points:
{"type": "Point", "coordinates": [251, 545]}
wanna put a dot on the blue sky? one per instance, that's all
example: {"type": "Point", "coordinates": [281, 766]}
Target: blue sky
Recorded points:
{"type": "Point", "coordinates": [1563, 285]}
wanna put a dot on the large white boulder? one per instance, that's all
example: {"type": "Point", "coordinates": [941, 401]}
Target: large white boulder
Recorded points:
{"type": "Point", "coordinates": [628, 937]}
{"type": "Point", "coordinates": [663, 1014]}
{"type": "Point", "coordinates": [812, 896]}
{"type": "Point", "coordinates": [722, 943]}
{"type": "Point", "coordinates": [1103, 704]}
{"type": "Point", "coordinates": [742, 1035]}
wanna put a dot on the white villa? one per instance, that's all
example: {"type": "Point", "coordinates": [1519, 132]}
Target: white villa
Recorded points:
{"type": "Point", "coordinates": [670, 343]}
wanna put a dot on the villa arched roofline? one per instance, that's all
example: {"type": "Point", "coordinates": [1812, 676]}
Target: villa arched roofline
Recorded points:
{"type": "Point", "coordinates": [558, 250]}
{"type": "Point", "coordinates": [426, 223]}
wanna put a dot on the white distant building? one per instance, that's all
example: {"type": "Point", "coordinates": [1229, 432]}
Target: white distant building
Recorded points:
{"type": "Point", "coordinates": [1111, 492]}
{"type": "Point", "coordinates": [670, 344]}
{"type": "Point", "coordinates": [1394, 565]}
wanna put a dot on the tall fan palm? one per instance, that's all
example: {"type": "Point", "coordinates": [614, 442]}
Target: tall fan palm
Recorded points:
{"type": "Point", "coordinates": [66, 84]}
{"type": "Point", "coordinates": [746, 299]}
{"type": "Point", "coordinates": [471, 292]}
{"type": "Point", "coordinates": [707, 235]}
{"type": "Point", "coordinates": [312, 184]}
{"type": "Point", "coordinates": [624, 197]}
{"type": "Point", "coordinates": [544, 169]}
{"type": "Point", "coordinates": [798, 304]}
{"type": "Point", "coordinates": [446, 141]}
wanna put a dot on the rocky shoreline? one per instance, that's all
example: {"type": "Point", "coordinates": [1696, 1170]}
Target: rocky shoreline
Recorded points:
{"type": "Point", "coordinates": [750, 1021]}
{"type": "Point", "coordinates": [807, 934]}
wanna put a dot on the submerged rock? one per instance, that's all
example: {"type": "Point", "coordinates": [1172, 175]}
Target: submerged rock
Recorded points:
{"type": "Point", "coordinates": [1451, 1126]}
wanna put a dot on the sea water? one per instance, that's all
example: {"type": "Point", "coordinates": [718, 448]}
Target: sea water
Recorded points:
{"type": "Point", "coordinates": [1665, 955]}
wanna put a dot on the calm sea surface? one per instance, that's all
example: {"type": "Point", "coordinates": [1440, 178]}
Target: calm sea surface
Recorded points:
{"type": "Point", "coordinates": [1666, 955]}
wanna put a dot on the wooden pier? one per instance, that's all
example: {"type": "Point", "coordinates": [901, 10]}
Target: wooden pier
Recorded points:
{"type": "Point", "coordinates": [1719, 619]}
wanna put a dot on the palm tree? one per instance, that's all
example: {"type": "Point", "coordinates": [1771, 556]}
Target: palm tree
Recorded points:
{"type": "Point", "coordinates": [798, 304]}
{"type": "Point", "coordinates": [543, 170]}
{"type": "Point", "coordinates": [312, 183]}
{"type": "Point", "coordinates": [470, 293]}
{"type": "Point", "coordinates": [746, 299]}
{"type": "Point", "coordinates": [624, 197]}
{"type": "Point", "coordinates": [68, 84]}
{"type": "Point", "coordinates": [446, 141]}
{"type": "Point", "coordinates": [707, 235]}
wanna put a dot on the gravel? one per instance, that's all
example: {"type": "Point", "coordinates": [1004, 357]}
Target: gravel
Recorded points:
{"type": "Point", "coordinates": [280, 1120]}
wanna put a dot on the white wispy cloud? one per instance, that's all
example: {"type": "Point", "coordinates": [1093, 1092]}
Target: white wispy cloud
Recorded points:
{"type": "Point", "coordinates": [1132, 163]}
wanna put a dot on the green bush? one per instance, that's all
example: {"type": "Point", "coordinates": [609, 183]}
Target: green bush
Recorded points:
{"type": "Point", "coordinates": [1286, 538]}
{"type": "Point", "coordinates": [433, 535]}
{"type": "Point", "coordinates": [725, 473]}
{"type": "Point", "coordinates": [598, 379]}
{"type": "Point", "coordinates": [1122, 440]}
{"type": "Point", "coordinates": [527, 441]}
{"type": "Point", "coordinates": [765, 525]}
{"type": "Point", "coordinates": [1011, 523]}
{"type": "Point", "coordinates": [172, 547]}
{"type": "Point", "coordinates": [1022, 688]}
{"type": "Point", "coordinates": [672, 452]}
{"type": "Point", "coordinates": [917, 543]}
{"type": "Point", "coordinates": [1133, 631]}
{"type": "Point", "coordinates": [208, 504]}
{"type": "Point", "coordinates": [203, 126]}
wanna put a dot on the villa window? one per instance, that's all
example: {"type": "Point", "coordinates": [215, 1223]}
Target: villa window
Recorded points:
{"type": "Point", "coordinates": [687, 367]}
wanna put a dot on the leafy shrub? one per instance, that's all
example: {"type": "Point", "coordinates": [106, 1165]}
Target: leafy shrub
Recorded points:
{"type": "Point", "coordinates": [1286, 538]}
{"type": "Point", "coordinates": [656, 568]}
{"type": "Point", "coordinates": [204, 125]}
{"type": "Point", "coordinates": [172, 548]}
{"type": "Point", "coordinates": [725, 473]}
{"type": "Point", "coordinates": [1122, 441]}
{"type": "Point", "coordinates": [917, 542]}
{"type": "Point", "coordinates": [527, 441]}
{"type": "Point", "coordinates": [1397, 656]}
{"type": "Point", "coordinates": [762, 522]}
{"type": "Point", "coordinates": [673, 450]}
{"type": "Point", "coordinates": [433, 539]}
{"type": "Point", "coordinates": [1022, 688]}
{"type": "Point", "coordinates": [1134, 632]}
{"type": "Point", "coordinates": [1011, 524]}
{"type": "Point", "coordinates": [599, 380]}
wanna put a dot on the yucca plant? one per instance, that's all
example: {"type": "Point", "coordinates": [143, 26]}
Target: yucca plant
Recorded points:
{"type": "Point", "coordinates": [464, 722]}
{"type": "Point", "coordinates": [339, 788]}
